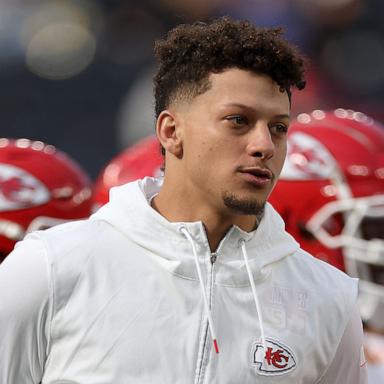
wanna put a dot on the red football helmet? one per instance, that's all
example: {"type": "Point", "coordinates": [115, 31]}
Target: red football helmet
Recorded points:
{"type": "Point", "coordinates": [40, 186]}
{"type": "Point", "coordinates": [331, 196]}
{"type": "Point", "coordinates": [142, 159]}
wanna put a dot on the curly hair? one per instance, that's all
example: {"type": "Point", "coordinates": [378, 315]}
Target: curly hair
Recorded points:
{"type": "Point", "coordinates": [191, 52]}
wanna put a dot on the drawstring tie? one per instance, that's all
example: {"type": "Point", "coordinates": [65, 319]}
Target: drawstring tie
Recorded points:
{"type": "Point", "coordinates": [255, 298]}
{"type": "Point", "coordinates": [184, 231]}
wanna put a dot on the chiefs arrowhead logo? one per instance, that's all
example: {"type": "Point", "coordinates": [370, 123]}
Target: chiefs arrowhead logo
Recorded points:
{"type": "Point", "coordinates": [19, 189]}
{"type": "Point", "coordinates": [307, 158]}
{"type": "Point", "coordinates": [276, 360]}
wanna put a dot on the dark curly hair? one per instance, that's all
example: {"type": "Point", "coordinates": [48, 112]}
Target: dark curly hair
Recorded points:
{"type": "Point", "coordinates": [191, 52]}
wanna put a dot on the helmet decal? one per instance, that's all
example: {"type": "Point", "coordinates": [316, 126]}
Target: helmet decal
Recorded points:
{"type": "Point", "coordinates": [19, 189]}
{"type": "Point", "coordinates": [40, 186]}
{"type": "Point", "coordinates": [307, 158]}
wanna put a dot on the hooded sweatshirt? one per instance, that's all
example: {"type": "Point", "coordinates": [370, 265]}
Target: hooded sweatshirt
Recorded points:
{"type": "Point", "coordinates": [129, 297]}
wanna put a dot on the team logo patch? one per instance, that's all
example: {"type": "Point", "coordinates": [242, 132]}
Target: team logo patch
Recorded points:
{"type": "Point", "coordinates": [19, 189]}
{"type": "Point", "coordinates": [278, 359]}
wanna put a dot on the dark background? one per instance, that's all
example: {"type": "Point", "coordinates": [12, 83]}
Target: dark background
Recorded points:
{"type": "Point", "coordinates": [77, 74]}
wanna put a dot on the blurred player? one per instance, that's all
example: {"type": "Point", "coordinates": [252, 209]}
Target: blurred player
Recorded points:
{"type": "Point", "coordinates": [331, 196]}
{"type": "Point", "coordinates": [140, 160]}
{"type": "Point", "coordinates": [40, 186]}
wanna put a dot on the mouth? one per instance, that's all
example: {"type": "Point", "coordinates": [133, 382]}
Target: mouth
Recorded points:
{"type": "Point", "coordinates": [257, 176]}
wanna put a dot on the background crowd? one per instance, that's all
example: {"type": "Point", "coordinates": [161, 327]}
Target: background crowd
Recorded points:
{"type": "Point", "coordinates": [77, 74]}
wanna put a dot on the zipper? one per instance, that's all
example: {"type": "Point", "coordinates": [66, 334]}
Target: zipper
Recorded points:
{"type": "Point", "coordinates": [213, 257]}
{"type": "Point", "coordinates": [206, 349]}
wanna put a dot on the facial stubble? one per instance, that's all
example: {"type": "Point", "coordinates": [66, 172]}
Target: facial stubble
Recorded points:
{"type": "Point", "coordinates": [244, 206]}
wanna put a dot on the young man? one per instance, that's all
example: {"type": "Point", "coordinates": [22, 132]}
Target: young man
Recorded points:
{"type": "Point", "coordinates": [192, 280]}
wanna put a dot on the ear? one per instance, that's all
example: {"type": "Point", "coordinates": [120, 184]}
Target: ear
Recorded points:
{"type": "Point", "coordinates": [168, 134]}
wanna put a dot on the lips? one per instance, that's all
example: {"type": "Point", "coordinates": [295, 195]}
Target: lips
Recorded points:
{"type": "Point", "coordinates": [258, 172]}
{"type": "Point", "coordinates": [257, 176]}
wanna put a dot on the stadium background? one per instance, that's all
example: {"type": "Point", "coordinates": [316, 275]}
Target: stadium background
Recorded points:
{"type": "Point", "coordinates": [77, 74]}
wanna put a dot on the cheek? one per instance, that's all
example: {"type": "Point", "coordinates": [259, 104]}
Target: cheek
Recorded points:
{"type": "Point", "coordinates": [200, 151]}
{"type": "Point", "coordinates": [209, 160]}
{"type": "Point", "coordinates": [198, 157]}
{"type": "Point", "coordinates": [279, 157]}
{"type": "Point", "coordinates": [281, 150]}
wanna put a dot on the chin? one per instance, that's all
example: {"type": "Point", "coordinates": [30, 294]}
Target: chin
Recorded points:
{"type": "Point", "coordinates": [243, 205]}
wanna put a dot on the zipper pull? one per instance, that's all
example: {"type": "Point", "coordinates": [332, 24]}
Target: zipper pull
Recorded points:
{"type": "Point", "coordinates": [213, 257]}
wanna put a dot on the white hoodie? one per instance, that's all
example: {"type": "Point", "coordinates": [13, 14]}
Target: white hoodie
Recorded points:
{"type": "Point", "coordinates": [117, 299]}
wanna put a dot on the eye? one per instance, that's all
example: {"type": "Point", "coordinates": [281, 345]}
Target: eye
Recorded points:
{"type": "Point", "coordinates": [279, 129]}
{"type": "Point", "coordinates": [238, 120]}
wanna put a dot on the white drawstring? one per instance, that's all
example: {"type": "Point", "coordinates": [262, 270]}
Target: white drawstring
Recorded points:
{"type": "Point", "coordinates": [207, 309]}
{"type": "Point", "coordinates": [255, 298]}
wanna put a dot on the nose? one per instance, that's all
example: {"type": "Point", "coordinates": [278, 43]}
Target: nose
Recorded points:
{"type": "Point", "coordinates": [260, 142]}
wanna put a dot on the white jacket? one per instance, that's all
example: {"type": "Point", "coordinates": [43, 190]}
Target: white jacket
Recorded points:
{"type": "Point", "coordinates": [117, 299]}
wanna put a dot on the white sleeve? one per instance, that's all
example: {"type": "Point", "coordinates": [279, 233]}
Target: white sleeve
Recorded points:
{"type": "Point", "coordinates": [24, 313]}
{"type": "Point", "coordinates": [348, 365]}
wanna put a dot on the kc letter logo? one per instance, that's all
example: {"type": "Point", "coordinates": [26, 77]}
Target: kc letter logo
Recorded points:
{"type": "Point", "coordinates": [277, 359]}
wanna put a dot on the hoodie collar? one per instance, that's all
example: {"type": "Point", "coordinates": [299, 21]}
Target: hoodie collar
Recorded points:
{"type": "Point", "coordinates": [170, 248]}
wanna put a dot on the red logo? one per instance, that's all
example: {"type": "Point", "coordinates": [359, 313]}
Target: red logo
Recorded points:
{"type": "Point", "coordinates": [307, 158]}
{"type": "Point", "coordinates": [19, 189]}
{"type": "Point", "coordinates": [13, 187]}
{"type": "Point", "coordinates": [277, 359]}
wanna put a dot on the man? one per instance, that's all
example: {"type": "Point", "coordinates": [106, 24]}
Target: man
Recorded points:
{"type": "Point", "coordinates": [193, 280]}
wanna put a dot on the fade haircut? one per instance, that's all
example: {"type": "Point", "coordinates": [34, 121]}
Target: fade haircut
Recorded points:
{"type": "Point", "coordinates": [191, 52]}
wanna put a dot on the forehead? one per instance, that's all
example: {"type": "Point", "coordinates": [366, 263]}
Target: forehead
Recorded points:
{"type": "Point", "coordinates": [239, 86]}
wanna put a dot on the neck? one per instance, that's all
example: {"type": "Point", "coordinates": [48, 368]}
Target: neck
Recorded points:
{"type": "Point", "coordinates": [177, 206]}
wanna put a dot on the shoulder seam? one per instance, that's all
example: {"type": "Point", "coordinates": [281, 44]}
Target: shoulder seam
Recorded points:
{"type": "Point", "coordinates": [51, 290]}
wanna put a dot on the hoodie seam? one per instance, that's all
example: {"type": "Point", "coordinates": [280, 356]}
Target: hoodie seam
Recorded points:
{"type": "Point", "coordinates": [122, 230]}
{"type": "Point", "coordinates": [221, 284]}
{"type": "Point", "coordinates": [181, 276]}
{"type": "Point", "coordinates": [257, 281]}
{"type": "Point", "coordinates": [51, 300]}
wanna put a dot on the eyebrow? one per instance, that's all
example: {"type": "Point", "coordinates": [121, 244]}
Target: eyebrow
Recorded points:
{"type": "Point", "coordinates": [278, 116]}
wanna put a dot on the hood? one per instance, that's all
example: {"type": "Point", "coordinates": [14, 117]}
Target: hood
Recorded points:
{"type": "Point", "coordinates": [129, 211]}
